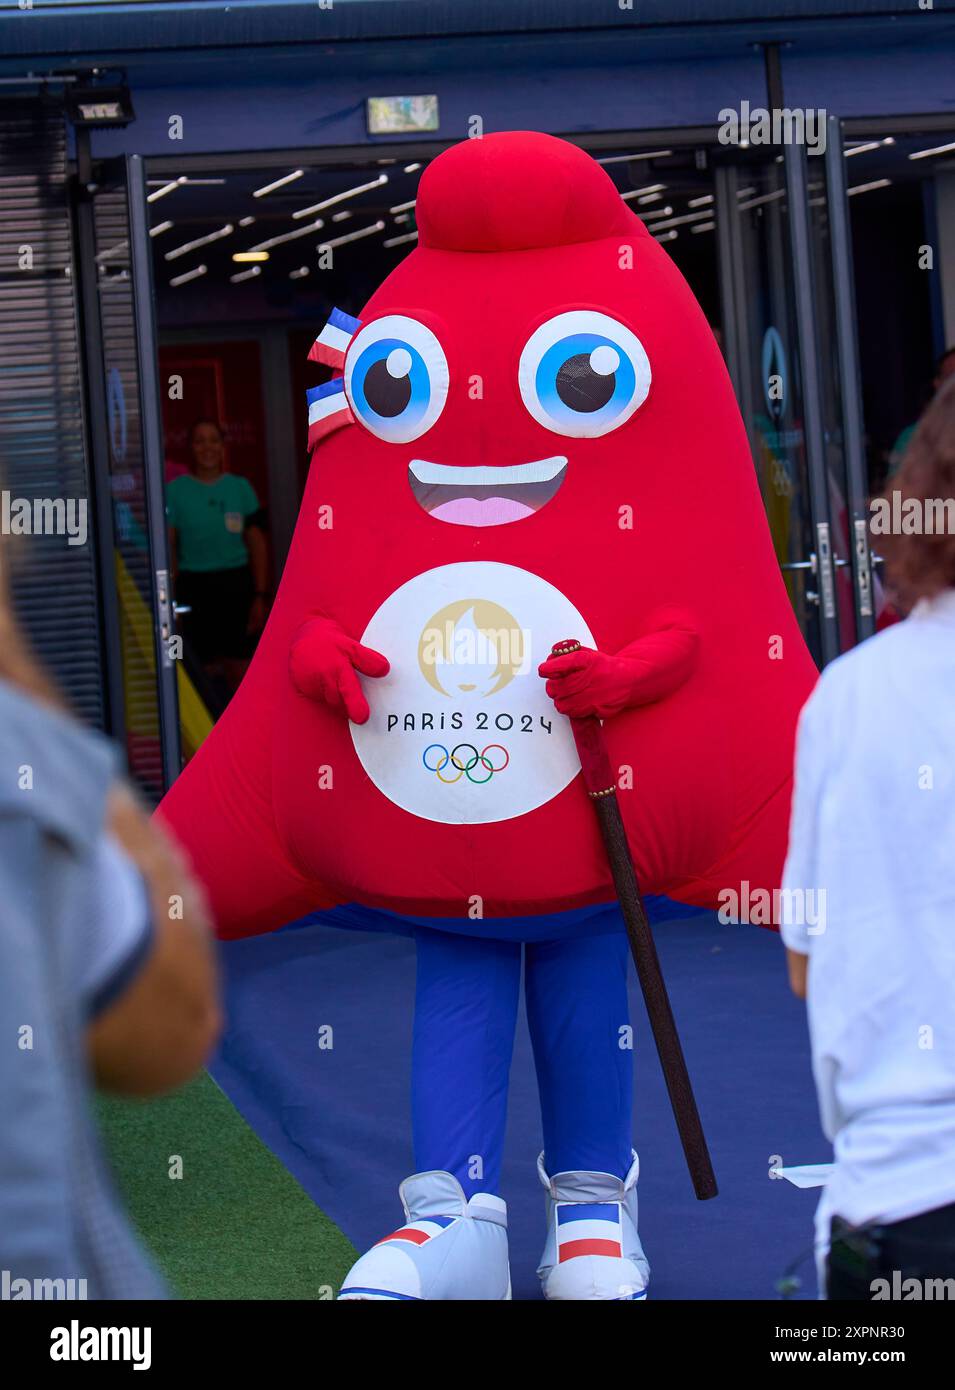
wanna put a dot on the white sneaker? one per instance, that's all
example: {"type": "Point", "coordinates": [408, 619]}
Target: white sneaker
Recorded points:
{"type": "Point", "coordinates": [448, 1248]}
{"type": "Point", "coordinates": [593, 1250]}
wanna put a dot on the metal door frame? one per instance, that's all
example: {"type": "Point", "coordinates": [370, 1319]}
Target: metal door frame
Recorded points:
{"type": "Point", "coordinates": [805, 293]}
{"type": "Point", "coordinates": [129, 173]}
{"type": "Point", "coordinates": [90, 330]}
{"type": "Point", "coordinates": [147, 356]}
{"type": "Point", "coordinates": [850, 383]}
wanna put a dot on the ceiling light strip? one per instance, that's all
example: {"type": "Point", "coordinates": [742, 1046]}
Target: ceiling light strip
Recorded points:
{"type": "Point", "coordinates": [341, 197]}
{"type": "Point", "coordinates": [227, 230]}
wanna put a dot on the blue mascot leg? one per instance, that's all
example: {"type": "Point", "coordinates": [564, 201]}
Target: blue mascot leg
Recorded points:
{"type": "Point", "coordinates": [465, 1012]}
{"type": "Point", "coordinates": [577, 1010]}
{"type": "Point", "coordinates": [453, 1243]}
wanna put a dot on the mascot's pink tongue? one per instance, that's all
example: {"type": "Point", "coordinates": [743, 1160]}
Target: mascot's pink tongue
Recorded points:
{"type": "Point", "coordinates": [489, 511]}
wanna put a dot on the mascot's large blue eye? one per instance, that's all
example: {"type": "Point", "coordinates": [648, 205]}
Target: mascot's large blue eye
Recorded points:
{"type": "Point", "coordinates": [396, 378]}
{"type": "Point", "coordinates": [582, 374]}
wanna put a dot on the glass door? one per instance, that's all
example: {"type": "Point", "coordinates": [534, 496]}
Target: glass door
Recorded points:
{"type": "Point", "coordinates": [126, 440]}
{"type": "Point", "coordinates": [785, 276]}
{"type": "Point", "coordinates": [840, 388]}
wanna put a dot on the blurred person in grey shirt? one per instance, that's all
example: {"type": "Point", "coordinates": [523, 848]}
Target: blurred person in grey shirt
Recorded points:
{"type": "Point", "coordinates": [107, 977]}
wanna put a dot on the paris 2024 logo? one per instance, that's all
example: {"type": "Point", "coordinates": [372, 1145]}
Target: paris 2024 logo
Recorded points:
{"type": "Point", "coordinates": [461, 729]}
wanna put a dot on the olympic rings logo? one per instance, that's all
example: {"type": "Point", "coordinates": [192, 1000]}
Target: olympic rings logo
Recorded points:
{"type": "Point", "coordinates": [464, 767]}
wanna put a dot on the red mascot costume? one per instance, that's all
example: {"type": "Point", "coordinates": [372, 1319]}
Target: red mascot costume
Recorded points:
{"type": "Point", "coordinates": [531, 436]}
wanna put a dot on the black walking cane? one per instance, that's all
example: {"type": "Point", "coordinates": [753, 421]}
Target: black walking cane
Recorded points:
{"type": "Point", "coordinates": [599, 781]}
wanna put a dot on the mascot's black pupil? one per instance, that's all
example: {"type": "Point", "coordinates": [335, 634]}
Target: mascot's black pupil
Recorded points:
{"type": "Point", "coordinates": [580, 387]}
{"type": "Point", "coordinates": [386, 394]}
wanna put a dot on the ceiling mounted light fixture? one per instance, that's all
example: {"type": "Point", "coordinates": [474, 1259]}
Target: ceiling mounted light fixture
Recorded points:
{"type": "Point", "coordinates": [350, 236]}
{"type": "Point", "coordinates": [937, 149]}
{"type": "Point", "coordinates": [99, 106]}
{"type": "Point", "coordinates": [315, 226]}
{"type": "Point", "coordinates": [629, 158]}
{"type": "Point", "coordinates": [341, 197]}
{"type": "Point", "coordinates": [162, 190]}
{"type": "Point", "coordinates": [189, 275]}
{"type": "Point", "coordinates": [679, 221]}
{"type": "Point", "coordinates": [162, 187]}
{"type": "Point", "coordinates": [227, 230]}
{"type": "Point", "coordinates": [278, 183]}
{"type": "Point", "coordinates": [868, 187]}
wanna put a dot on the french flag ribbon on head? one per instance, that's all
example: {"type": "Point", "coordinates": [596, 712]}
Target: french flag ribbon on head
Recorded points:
{"type": "Point", "coordinates": [331, 344]}
{"type": "Point", "coordinates": [588, 1228]}
{"type": "Point", "coordinates": [328, 410]}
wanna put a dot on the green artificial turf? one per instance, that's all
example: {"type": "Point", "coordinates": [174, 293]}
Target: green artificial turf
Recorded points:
{"type": "Point", "coordinates": [237, 1224]}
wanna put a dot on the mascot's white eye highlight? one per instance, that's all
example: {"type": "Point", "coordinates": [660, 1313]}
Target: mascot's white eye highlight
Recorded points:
{"type": "Point", "coordinates": [582, 374]}
{"type": "Point", "coordinates": [396, 378]}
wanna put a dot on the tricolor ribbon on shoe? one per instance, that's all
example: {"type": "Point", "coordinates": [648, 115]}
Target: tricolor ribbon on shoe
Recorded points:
{"type": "Point", "coordinates": [417, 1232]}
{"type": "Point", "coordinates": [588, 1228]}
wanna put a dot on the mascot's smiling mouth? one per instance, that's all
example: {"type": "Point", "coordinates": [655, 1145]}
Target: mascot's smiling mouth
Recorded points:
{"type": "Point", "coordinates": [485, 496]}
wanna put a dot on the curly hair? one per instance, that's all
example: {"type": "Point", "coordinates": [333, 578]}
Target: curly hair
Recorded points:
{"type": "Point", "coordinates": [920, 565]}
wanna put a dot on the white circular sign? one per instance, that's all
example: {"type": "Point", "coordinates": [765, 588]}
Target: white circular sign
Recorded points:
{"type": "Point", "coordinates": [461, 729]}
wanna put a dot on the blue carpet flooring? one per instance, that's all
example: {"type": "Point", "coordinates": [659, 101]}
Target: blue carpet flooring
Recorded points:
{"type": "Point", "coordinates": [317, 1053]}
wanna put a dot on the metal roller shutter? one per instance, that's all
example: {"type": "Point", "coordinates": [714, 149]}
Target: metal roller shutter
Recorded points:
{"type": "Point", "coordinates": [42, 437]}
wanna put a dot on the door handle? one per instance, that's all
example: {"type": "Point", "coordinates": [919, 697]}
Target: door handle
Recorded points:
{"type": "Point", "coordinates": [817, 596]}
{"type": "Point", "coordinates": [865, 559]}
{"type": "Point", "coordinates": [164, 615]}
{"type": "Point", "coordinates": [827, 586]}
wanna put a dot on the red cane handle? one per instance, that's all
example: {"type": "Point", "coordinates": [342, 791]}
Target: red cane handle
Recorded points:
{"type": "Point", "coordinates": [591, 749]}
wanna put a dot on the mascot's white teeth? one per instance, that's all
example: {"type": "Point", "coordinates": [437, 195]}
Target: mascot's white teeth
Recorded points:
{"type": "Point", "coordinates": [485, 496]}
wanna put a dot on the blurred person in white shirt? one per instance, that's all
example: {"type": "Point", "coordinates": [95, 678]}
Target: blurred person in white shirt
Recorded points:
{"type": "Point", "coordinates": [873, 828]}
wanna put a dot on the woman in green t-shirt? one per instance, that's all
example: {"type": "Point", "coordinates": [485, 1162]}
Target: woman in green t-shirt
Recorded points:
{"type": "Point", "coordinates": [219, 557]}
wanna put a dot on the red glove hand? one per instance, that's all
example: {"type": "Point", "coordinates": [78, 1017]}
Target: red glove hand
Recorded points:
{"type": "Point", "coordinates": [589, 682]}
{"type": "Point", "coordinates": [323, 661]}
